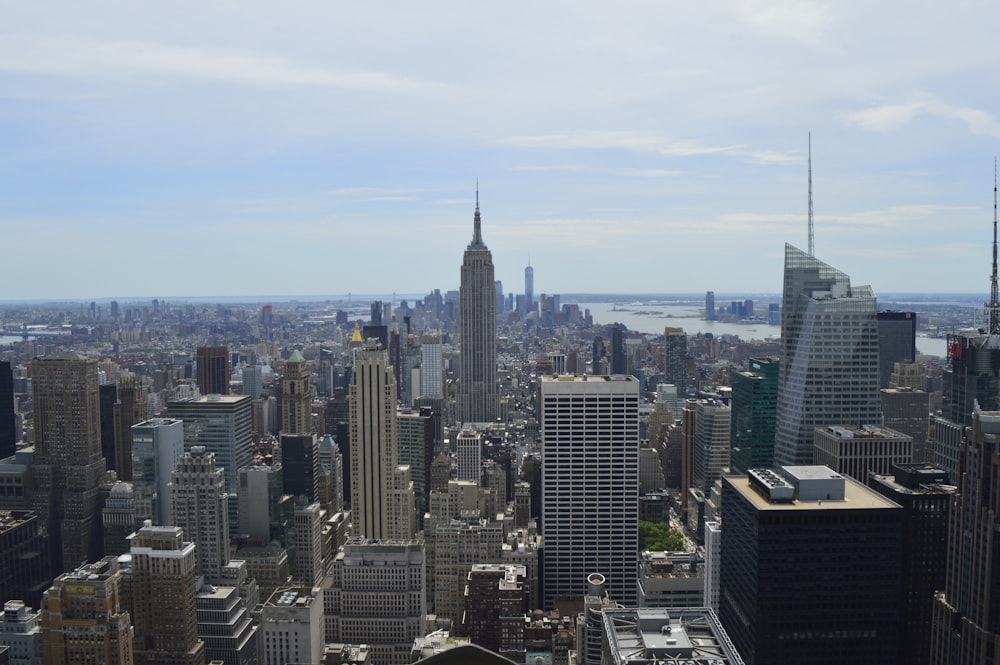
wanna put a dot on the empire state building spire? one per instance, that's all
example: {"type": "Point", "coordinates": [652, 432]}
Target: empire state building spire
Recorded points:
{"type": "Point", "coordinates": [477, 231]}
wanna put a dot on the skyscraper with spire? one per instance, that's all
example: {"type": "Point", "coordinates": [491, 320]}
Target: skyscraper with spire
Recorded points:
{"type": "Point", "coordinates": [478, 399]}
{"type": "Point", "coordinates": [829, 370]}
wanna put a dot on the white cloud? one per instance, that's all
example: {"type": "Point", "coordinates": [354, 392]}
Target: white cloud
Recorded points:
{"type": "Point", "coordinates": [890, 117]}
{"type": "Point", "coordinates": [86, 57]}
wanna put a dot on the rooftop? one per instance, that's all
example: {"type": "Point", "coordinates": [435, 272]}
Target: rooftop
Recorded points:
{"type": "Point", "coordinates": [856, 495]}
{"type": "Point", "coordinates": [648, 635]}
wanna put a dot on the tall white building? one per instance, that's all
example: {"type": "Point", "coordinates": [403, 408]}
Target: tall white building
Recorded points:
{"type": "Point", "coordinates": [253, 381]}
{"type": "Point", "coordinates": [259, 485]}
{"type": "Point", "coordinates": [309, 544]}
{"type": "Point", "coordinates": [829, 371]}
{"type": "Point", "coordinates": [20, 633]}
{"type": "Point", "coordinates": [431, 367]}
{"type": "Point", "coordinates": [157, 446]}
{"type": "Point", "coordinates": [223, 425]}
{"type": "Point", "coordinates": [381, 490]}
{"type": "Point", "coordinates": [198, 505]}
{"type": "Point", "coordinates": [469, 448]}
{"type": "Point", "coordinates": [590, 483]}
{"type": "Point", "coordinates": [377, 596]}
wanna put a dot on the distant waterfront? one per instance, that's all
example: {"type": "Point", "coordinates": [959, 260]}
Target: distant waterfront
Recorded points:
{"type": "Point", "coordinates": [653, 318]}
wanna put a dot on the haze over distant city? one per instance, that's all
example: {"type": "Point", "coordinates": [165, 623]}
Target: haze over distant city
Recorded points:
{"type": "Point", "coordinates": [323, 148]}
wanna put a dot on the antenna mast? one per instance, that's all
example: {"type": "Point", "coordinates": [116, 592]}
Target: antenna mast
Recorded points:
{"type": "Point", "coordinates": [994, 304]}
{"type": "Point", "coordinates": [812, 241]}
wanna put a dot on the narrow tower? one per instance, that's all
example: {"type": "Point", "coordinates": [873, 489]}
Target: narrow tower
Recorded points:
{"type": "Point", "coordinates": [478, 400]}
{"type": "Point", "coordinates": [812, 241]}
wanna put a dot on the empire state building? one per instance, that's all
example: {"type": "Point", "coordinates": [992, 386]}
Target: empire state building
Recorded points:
{"type": "Point", "coordinates": [478, 400]}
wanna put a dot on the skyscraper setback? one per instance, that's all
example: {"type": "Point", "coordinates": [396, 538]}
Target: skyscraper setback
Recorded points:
{"type": "Point", "coordinates": [478, 399]}
{"type": "Point", "coordinates": [829, 372]}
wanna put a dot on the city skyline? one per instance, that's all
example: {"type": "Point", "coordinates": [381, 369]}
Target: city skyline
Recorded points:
{"type": "Point", "coordinates": [660, 143]}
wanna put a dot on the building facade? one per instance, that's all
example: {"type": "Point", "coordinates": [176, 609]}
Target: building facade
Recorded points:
{"type": "Point", "coordinates": [829, 369]}
{"type": "Point", "coordinates": [590, 482]}
{"type": "Point", "coordinates": [754, 405]}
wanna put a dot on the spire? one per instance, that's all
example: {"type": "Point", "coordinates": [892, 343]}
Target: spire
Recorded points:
{"type": "Point", "coordinates": [812, 242]}
{"type": "Point", "coordinates": [993, 307]}
{"type": "Point", "coordinates": [477, 233]}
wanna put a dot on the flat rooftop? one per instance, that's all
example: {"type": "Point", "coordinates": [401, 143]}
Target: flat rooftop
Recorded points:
{"type": "Point", "coordinates": [856, 496]}
{"type": "Point", "coordinates": [653, 635]}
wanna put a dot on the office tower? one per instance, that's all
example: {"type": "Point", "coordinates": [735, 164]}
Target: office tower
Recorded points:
{"type": "Point", "coordinates": [529, 290]}
{"type": "Point", "coordinates": [495, 603]}
{"type": "Point", "coordinates": [308, 544]}
{"type": "Point", "coordinates": [456, 544]}
{"type": "Point", "coordinates": [8, 421]}
{"type": "Point", "coordinates": [300, 465]}
{"type": "Point", "coordinates": [661, 635]}
{"type": "Point", "coordinates": [590, 482]}
{"type": "Point", "coordinates": [68, 464]}
{"type": "Point", "coordinates": [118, 518]}
{"type": "Point", "coordinates": [157, 446]}
{"type": "Point", "coordinates": [858, 451]}
{"type": "Point", "coordinates": [478, 399]}
{"type": "Point", "coordinates": [965, 629]}
{"type": "Point", "coordinates": [675, 359]}
{"type": "Point", "coordinates": [415, 433]}
{"type": "Point", "coordinates": [907, 375]}
{"type": "Point", "coordinates": [296, 397]}
{"type": "Point", "coordinates": [712, 424]}
{"type": "Point", "coordinates": [925, 495]}
{"type": "Point", "coordinates": [469, 452]}
{"type": "Point", "coordinates": [498, 288]}
{"type": "Point", "coordinates": [19, 632]}
{"type": "Point", "coordinates": [754, 403]}
{"type": "Point", "coordinates": [253, 381]}
{"type": "Point", "coordinates": [107, 395]}
{"type": "Point", "coordinates": [381, 493]}
{"type": "Point", "coordinates": [897, 342]}
{"type": "Point", "coordinates": [801, 553]}
{"type": "Point", "coordinates": [129, 410]}
{"type": "Point", "coordinates": [222, 425]}
{"type": "Point", "coordinates": [908, 411]}
{"type": "Point", "coordinates": [224, 625]}
{"type": "Point", "coordinates": [212, 370]}
{"type": "Point", "coordinates": [260, 491]}
{"type": "Point", "coordinates": [332, 475]}
{"type": "Point", "coordinates": [829, 355]}
{"type": "Point", "coordinates": [431, 367]}
{"type": "Point", "coordinates": [291, 626]}
{"type": "Point", "coordinates": [377, 597]}
{"type": "Point", "coordinates": [618, 365]}
{"type": "Point", "coordinates": [972, 375]}
{"type": "Point", "coordinates": [688, 425]}
{"type": "Point", "coordinates": [710, 305]}
{"type": "Point", "coordinates": [599, 352]}
{"type": "Point", "coordinates": [198, 504]}
{"type": "Point", "coordinates": [24, 557]}
{"type": "Point", "coordinates": [82, 620]}
{"type": "Point", "coordinates": [164, 587]}
{"type": "Point", "coordinates": [713, 555]}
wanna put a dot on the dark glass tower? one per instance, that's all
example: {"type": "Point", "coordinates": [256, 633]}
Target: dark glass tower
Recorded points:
{"type": "Point", "coordinates": [213, 370]}
{"type": "Point", "coordinates": [8, 422]}
{"type": "Point", "coordinates": [897, 342]}
{"type": "Point", "coordinates": [754, 403]}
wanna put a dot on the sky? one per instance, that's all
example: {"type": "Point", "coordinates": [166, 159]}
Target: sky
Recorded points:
{"type": "Point", "coordinates": [308, 148]}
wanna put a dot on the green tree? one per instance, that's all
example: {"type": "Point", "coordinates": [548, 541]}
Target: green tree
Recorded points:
{"type": "Point", "coordinates": [659, 537]}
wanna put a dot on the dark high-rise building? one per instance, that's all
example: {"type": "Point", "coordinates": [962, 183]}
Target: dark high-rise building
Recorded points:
{"type": "Point", "coordinates": [24, 558]}
{"type": "Point", "coordinates": [213, 370]}
{"type": "Point", "coordinates": [966, 624]}
{"type": "Point", "coordinates": [675, 359]}
{"type": "Point", "coordinates": [68, 465]}
{"type": "Point", "coordinates": [618, 364]}
{"type": "Point", "coordinates": [754, 403]}
{"type": "Point", "coordinates": [478, 397]}
{"type": "Point", "coordinates": [897, 342]}
{"type": "Point", "coordinates": [130, 410]}
{"type": "Point", "coordinates": [908, 411]}
{"type": "Point", "coordinates": [300, 465]}
{"type": "Point", "coordinates": [972, 375]}
{"type": "Point", "coordinates": [8, 421]}
{"type": "Point", "coordinates": [829, 355]}
{"type": "Point", "coordinates": [710, 305]}
{"type": "Point", "coordinates": [599, 352]}
{"type": "Point", "coordinates": [108, 395]}
{"type": "Point", "coordinates": [925, 495]}
{"type": "Point", "coordinates": [803, 552]}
